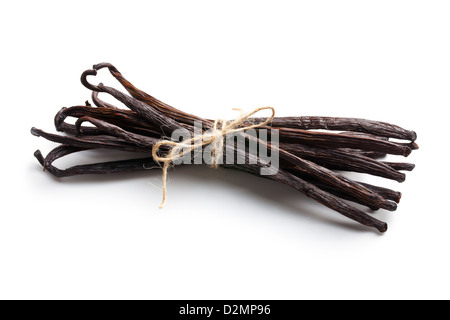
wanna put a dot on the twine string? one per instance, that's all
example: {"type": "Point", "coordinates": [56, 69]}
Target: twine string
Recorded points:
{"type": "Point", "coordinates": [215, 137]}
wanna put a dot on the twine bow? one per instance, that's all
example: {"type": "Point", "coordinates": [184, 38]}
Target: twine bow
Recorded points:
{"type": "Point", "coordinates": [215, 136]}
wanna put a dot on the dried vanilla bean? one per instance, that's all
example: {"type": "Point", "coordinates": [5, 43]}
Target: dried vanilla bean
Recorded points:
{"type": "Point", "coordinates": [308, 157]}
{"type": "Point", "coordinates": [329, 123]}
{"type": "Point", "coordinates": [323, 174]}
{"type": "Point", "coordinates": [288, 133]}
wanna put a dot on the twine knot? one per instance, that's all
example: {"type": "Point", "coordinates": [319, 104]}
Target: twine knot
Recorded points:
{"type": "Point", "coordinates": [215, 137]}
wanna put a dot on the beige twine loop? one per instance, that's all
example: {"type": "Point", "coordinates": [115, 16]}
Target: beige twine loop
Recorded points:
{"type": "Point", "coordinates": [215, 137]}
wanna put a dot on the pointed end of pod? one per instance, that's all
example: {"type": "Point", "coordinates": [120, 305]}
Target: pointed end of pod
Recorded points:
{"type": "Point", "coordinates": [389, 205]}
{"type": "Point", "coordinates": [382, 227]}
{"type": "Point", "coordinates": [407, 151]}
{"type": "Point", "coordinates": [401, 177]}
{"type": "Point", "coordinates": [39, 157]}
{"type": "Point", "coordinates": [399, 197]}
{"type": "Point", "coordinates": [35, 132]}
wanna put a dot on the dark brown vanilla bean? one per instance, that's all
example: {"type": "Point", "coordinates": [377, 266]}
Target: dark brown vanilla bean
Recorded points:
{"type": "Point", "coordinates": [334, 140]}
{"type": "Point", "coordinates": [140, 95]}
{"type": "Point", "coordinates": [325, 198]}
{"type": "Point", "coordinates": [322, 174]}
{"type": "Point", "coordinates": [125, 119]}
{"type": "Point", "coordinates": [308, 158]}
{"type": "Point", "coordinates": [384, 192]}
{"type": "Point", "coordinates": [346, 185]}
{"type": "Point", "coordinates": [402, 166]}
{"type": "Point", "coordinates": [158, 120]}
{"type": "Point", "coordinates": [96, 142]}
{"type": "Point", "coordinates": [345, 124]}
{"type": "Point", "coordinates": [287, 134]}
{"type": "Point", "coordinates": [120, 166]}
{"type": "Point", "coordinates": [340, 160]}
{"type": "Point", "coordinates": [321, 155]}
{"type": "Point", "coordinates": [314, 170]}
{"type": "Point", "coordinates": [388, 194]}
{"type": "Point", "coordinates": [369, 154]}
{"type": "Point", "coordinates": [329, 123]}
{"type": "Point", "coordinates": [337, 193]}
{"type": "Point", "coordinates": [330, 158]}
{"type": "Point", "coordinates": [411, 145]}
{"type": "Point", "coordinates": [102, 104]}
{"type": "Point", "coordinates": [138, 164]}
{"type": "Point", "coordinates": [135, 139]}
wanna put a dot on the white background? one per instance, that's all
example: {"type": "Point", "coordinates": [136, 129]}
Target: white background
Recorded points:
{"type": "Point", "coordinates": [222, 234]}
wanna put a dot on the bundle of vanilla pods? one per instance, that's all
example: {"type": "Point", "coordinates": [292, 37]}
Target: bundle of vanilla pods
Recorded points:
{"type": "Point", "coordinates": [311, 149]}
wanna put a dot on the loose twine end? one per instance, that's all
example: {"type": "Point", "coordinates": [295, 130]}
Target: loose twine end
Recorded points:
{"type": "Point", "coordinates": [215, 137]}
{"type": "Point", "coordinates": [165, 167]}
